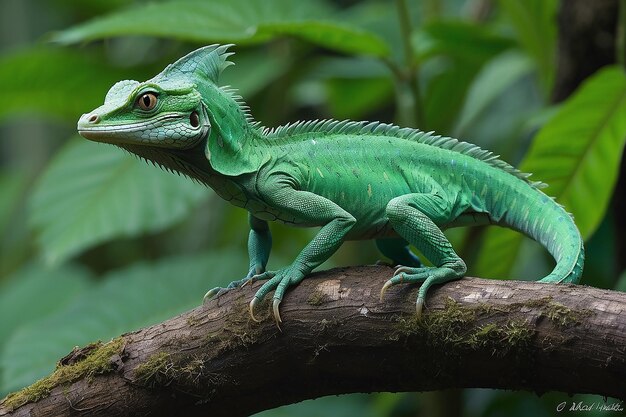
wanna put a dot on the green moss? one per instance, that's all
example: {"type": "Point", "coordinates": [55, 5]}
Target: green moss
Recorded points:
{"type": "Point", "coordinates": [485, 336]}
{"type": "Point", "coordinates": [555, 312]}
{"type": "Point", "coordinates": [518, 333]}
{"type": "Point", "coordinates": [99, 360]}
{"type": "Point", "coordinates": [443, 326]}
{"type": "Point", "coordinates": [454, 326]}
{"type": "Point", "coordinates": [239, 329]}
{"type": "Point", "coordinates": [316, 299]}
{"type": "Point", "coordinates": [164, 369]}
{"type": "Point", "coordinates": [192, 321]}
{"type": "Point", "coordinates": [564, 316]}
{"type": "Point", "coordinates": [155, 370]}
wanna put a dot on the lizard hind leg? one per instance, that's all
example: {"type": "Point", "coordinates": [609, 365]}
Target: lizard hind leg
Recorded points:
{"type": "Point", "coordinates": [414, 218]}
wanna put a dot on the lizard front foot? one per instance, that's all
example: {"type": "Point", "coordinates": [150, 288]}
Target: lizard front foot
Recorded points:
{"type": "Point", "coordinates": [253, 275]}
{"type": "Point", "coordinates": [279, 280]}
{"type": "Point", "coordinates": [427, 275]}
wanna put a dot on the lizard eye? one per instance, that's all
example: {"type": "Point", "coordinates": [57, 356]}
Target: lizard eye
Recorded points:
{"type": "Point", "coordinates": [194, 119]}
{"type": "Point", "coordinates": [147, 101]}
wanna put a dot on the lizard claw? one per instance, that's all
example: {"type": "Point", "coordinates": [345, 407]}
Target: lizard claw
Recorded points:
{"type": "Point", "coordinates": [253, 304]}
{"type": "Point", "coordinates": [401, 268]}
{"type": "Point", "coordinates": [207, 296]}
{"type": "Point", "coordinates": [384, 289]}
{"type": "Point", "coordinates": [419, 305]}
{"type": "Point", "coordinates": [213, 293]}
{"type": "Point", "coordinates": [276, 311]}
{"type": "Point", "coordinates": [247, 281]}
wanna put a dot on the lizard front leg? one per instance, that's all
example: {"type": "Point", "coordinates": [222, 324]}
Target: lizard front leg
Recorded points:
{"type": "Point", "coordinates": [310, 209]}
{"type": "Point", "coordinates": [259, 247]}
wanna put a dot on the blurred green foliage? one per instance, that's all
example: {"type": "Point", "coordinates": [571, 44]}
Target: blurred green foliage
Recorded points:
{"type": "Point", "coordinates": [95, 242]}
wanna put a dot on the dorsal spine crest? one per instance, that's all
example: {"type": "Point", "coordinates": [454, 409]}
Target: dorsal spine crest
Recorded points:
{"type": "Point", "coordinates": [348, 127]}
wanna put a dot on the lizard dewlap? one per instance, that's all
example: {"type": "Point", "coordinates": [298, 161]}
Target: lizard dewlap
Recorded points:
{"type": "Point", "coordinates": [353, 180]}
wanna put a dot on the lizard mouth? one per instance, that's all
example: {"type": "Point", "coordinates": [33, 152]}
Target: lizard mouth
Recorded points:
{"type": "Point", "coordinates": [161, 131]}
{"type": "Point", "coordinates": [92, 132]}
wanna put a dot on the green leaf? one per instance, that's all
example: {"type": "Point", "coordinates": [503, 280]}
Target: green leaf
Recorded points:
{"type": "Point", "coordinates": [467, 41]}
{"type": "Point", "coordinates": [350, 87]}
{"type": "Point", "coordinates": [496, 78]}
{"type": "Point", "coordinates": [356, 97]}
{"type": "Point", "coordinates": [37, 290]}
{"type": "Point", "coordinates": [237, 21]}
{"type": "Point", "coordinates": [330, 34]}
{"type": "Point", "coordinates": [12, 186]}
{"type": "Point", "coordinates": [34, 292]}
{"type": "Point", "coordinates": [452, 54]}
{"type": "Point", "coordinates": [126, 300]}
{"type": "Point", "coordinates": [254, 70]}
{"type": "Point", "coordinates": [91, 193]}
{"type": "Point", "coordinates": [342, 406]}
{"type": "Point", "coordinates": [57, 82]}
{"type": "Point", "coordinates": [578, 154]}
{"type": "Point", "coordinates": [534, 22]}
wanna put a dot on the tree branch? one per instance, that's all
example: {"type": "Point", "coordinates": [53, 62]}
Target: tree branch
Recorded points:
{"type": "Point", "coordinates": [337, 337]}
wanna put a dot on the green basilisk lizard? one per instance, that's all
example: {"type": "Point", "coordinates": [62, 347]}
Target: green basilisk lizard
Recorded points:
{"type": "Point", "coordinates": [354, 180]}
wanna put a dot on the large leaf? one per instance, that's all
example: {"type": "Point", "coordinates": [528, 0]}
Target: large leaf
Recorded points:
{"type": "Point", "coordinates": [92, 192]}
{"type": "Point", "coordinates": [362, 405]}
{"type": "Point", "coordinates": [350, 88]}
{"type": "Point", "coordinates": [238, 21]}
{"type": "Point", "coordinates": [35, 292]}
{"type": "Point", "coordinates": [578, 154]}
{"type": "Point", "coordinates": [467, 41]}
{"type": "Point", "coordinates": [57, 82]}
{"type": "Point", "coordinates": [138, 296]}
{"type": "Point", "coordinates": [451, 53]}
{"type": "Point", "coordinates": [534, 22]}
{"type": "Point", "coordinates": [494, 81]}
{"type": "Point", "coordinates": [11, 188]}
{"type": "Point", "coordinates": [15, 242]}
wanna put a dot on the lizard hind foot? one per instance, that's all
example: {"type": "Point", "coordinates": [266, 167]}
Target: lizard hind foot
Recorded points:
{"type": "Point", "coordinates": [404, 274]}
{"type": "Point", "coordinates": [428, 276]}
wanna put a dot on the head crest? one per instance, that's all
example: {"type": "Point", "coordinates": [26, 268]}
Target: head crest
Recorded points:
{"type": "Point", "coordinates": [207, 62]}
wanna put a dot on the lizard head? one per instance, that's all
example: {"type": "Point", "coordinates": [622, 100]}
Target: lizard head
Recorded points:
{"type": "Point", "coordinates": [166, 111]}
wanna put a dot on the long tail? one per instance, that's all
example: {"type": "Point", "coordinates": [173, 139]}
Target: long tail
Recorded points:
{"type": "Point", "coordinates": [547, 222]}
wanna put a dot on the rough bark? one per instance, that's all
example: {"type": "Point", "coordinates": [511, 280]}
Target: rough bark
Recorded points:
{"type": "Point", "coordinates": [337, 337]}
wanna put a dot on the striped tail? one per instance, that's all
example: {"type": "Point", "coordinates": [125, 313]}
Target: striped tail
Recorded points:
{"type": "Point", "coordinates": [548, 223]}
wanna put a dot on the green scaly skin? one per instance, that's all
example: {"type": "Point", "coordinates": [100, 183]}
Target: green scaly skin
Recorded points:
{"type": "Point", "coordinates": [353, 180]}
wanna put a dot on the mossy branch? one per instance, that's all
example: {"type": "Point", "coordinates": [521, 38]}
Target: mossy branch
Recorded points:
{"type": "Point", "coordinates": [337, 337]}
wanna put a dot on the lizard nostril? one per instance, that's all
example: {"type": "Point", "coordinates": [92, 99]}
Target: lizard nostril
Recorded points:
{"type": "Point", "coordinates": [93, 118]}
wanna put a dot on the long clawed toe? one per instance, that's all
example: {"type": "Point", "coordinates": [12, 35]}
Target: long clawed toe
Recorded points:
{"type": "Point", "coordinates": [383, 290]}
{"type": "Point", "coordinates": [275, 310]}
{"type": "Point", "coordinates": [249, 281]}
{"type": "Point", "coordinates": [400, 269]}
{"type": "Point", "coordinates": [395, 279]}
{"type": "Point", "coordinates": [419, 307]}
{"type": "Point", "coordinates": [253, 304]}
{"type": "Point", "coordinates": [213, 293]}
